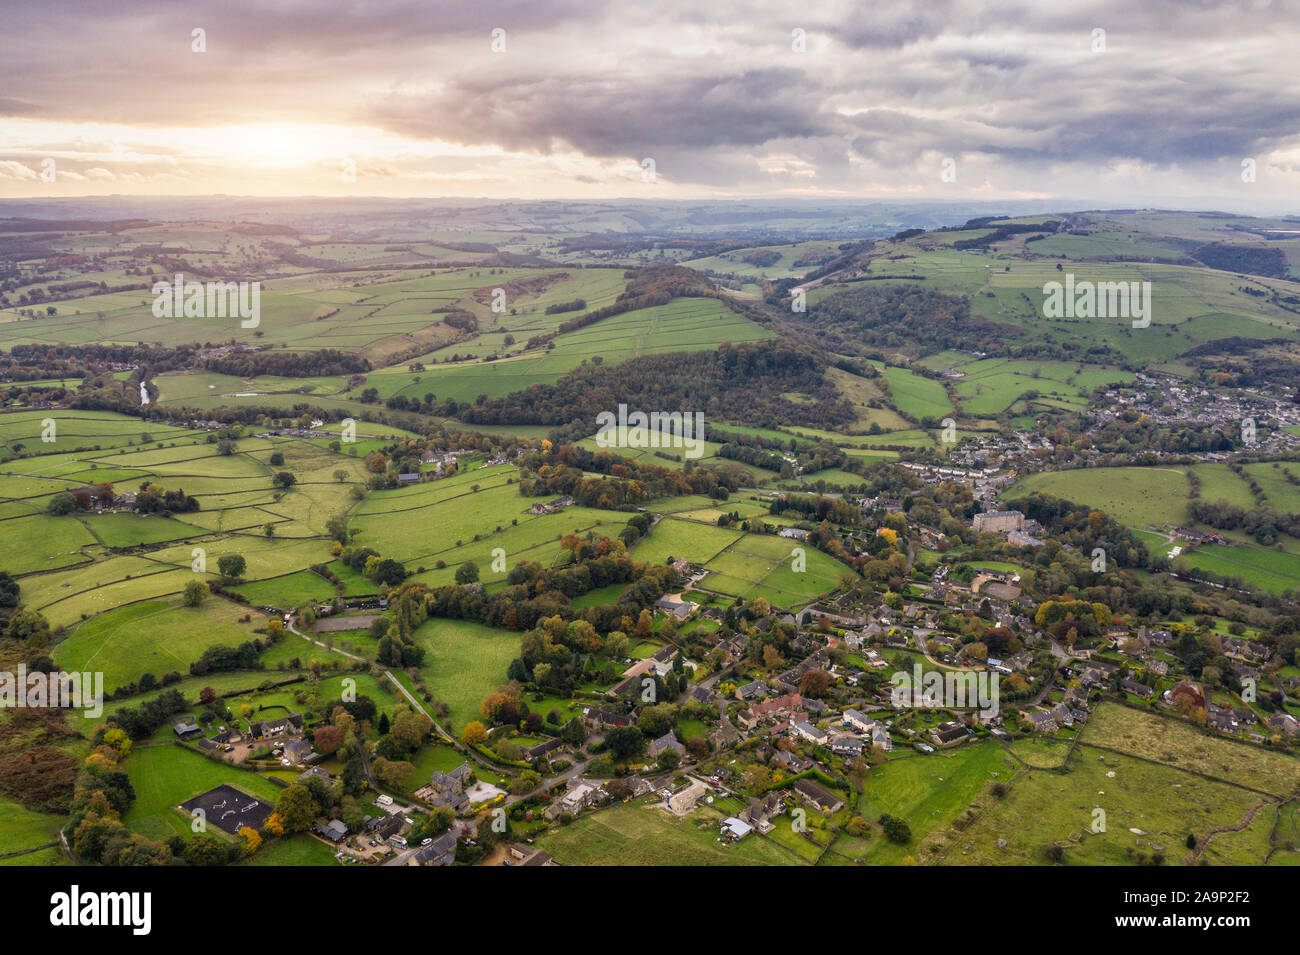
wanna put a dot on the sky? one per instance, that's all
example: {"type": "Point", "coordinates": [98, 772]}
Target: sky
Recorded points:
{"type": "Point", "coordinates": [1193, 102]}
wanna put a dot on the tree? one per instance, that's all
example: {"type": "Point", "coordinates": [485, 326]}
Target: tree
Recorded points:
{"type": "Point", "coordinates": [337, 528]}
{"type": "Point", "coordinates": [655, 721]}
{"type": "Point", "coordinates": [896, 830]}
{"type": "Point", "coordinates": [297, 808]}
{"type": "Point", "coordinates": [467, 573]}
{"type": "Point", "coordinates": [9, 590]}
{"type": "Point", "coordinates": [625, 742]}
{"type": "Point", "coordinates": [814, 683]}
{"type": "Point", "coordinates": [393, 773]}
{"type": "Point", "coordinates": [669, 759]}
{"type": "Point", "coordinates": [277, 460]}
{"type": "Point", "coordinates": [757, 779]}
{"type": "Point", "coordinates": [389, 571]}
{"type": "Point", "coordinates": [340, 475]}
{"type": "Point", "coordinates": [617, 644]}
{"type": "Point", "coordinates": [284, 480]}
{"type": "Point", "coordinates": [644, 624]}
{"type": "Point", "coordinates": [29, 626]}
{"type": "Point", "coordinates": [354, 777]}
{"type": "Point", "coordinates": [525, 782]}
{"type": "Point", "coordinates": [249, 840]}
{"type": "Point", "coordinates": [268, 529]}
{"type": "Point", "coordinates": [410, 728]}
{"type": "Point", "coordinates": [60, 504]}
{"type": "Point", "coordinates": [196, 591]}
{"type": "Point", "coordinates": [206, 851]}
{"type": "Point", "coordinates": [118, 740]}
{"type": "Point", "coordinates": [327, 739]}
{"type": "Point", "coordinates": [474, 734]}
{"type": "Point", "coordinates": [344, 720]}
{"type": "Point", "coordinates": [232, 565]}
{"type": "Point", "coordinates": [573, 733]}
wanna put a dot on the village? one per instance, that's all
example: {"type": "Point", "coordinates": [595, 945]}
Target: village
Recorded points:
{"type": "Point", "coordinates": [832, 710]}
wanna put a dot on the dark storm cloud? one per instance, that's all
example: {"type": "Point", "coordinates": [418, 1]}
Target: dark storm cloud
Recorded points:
{"type": "Point", "coordinates": [604, 116]}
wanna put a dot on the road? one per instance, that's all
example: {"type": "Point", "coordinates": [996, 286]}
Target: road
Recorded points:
{"type": "Point", "coordinates": [438, 727]}
{"type": "Point", "coordinates": [410, 697]}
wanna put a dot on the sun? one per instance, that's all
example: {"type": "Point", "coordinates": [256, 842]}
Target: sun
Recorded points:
{"type": "Point", "coordinates": [274, 144]}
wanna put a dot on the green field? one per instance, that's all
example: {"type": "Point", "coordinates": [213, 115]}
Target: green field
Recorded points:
{"type": "Point", "coordinates": [684, 324]}
{"type": "Point", "coordinates": [464, 663]}
{"type": "Point", "coordinates": [21, 828]}
{"type": "Point", "coordinates": [640, 835]}
{"type": "Point", "coordinates": [989, 386]}
{"type": "Point", "coordinates": [298, 850]}
{"type": "Point", "coordinates": [1207, 784]}
{"type": "Point", "coordinates": [1219, 483]}
{"type": "Point", "coordinates": [156, 637]}
{"type": "Point", "coordinates": [1133, 496]}
{"type": "Point", "coordinates": [912, 394]}
{"type": "Point", "coordinates": [928, 792]}
{"type": "Point", "coordinates": [291, 590]}
{"type": "Point", "coordinates": [1043, 808]}
{"type": "Point", "coordinates": [166, 775]}
{"type": "Point", "coordinates": [743, 565]}
{"type": "Point", "coordinates": [1270, 569]}
{"type": "Point", "coordinates": [82, 564]}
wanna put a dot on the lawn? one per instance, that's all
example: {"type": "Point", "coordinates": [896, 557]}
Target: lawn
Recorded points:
{"type": "Point", "coordinates": [157, 636]}
{"type": "Point", "coordinates": [761, 565]}
{"type": "Point", "coordinates": [928, 792]}
{"type": "Point", "coordinates": [636, 834]}
{"type": "Point", "coordinates": [1267, 568]}
{"type": "Point", "coordinates": [41, 543]}
{"type": "Point", "coordinates": [464, 663]}
{"type": "Point", "coordinates": [916, 395]}
{"type": "Point", "coordinates": [23, 828]}
{"type": "Point", "coordinates": [288, 591]}
{"type": "Point", "coordinates": [1133, 496]}
{"type": "Point", "coordinates": [673, 538]}
{"type": "Point", "coordinates": [1041, 808]}
{"type": "Point", "coordinates": [166, 775]}
{"type": "Point", "coordinates": [298, 850]}
{"type": "Point", "coordinates": [600, 597]}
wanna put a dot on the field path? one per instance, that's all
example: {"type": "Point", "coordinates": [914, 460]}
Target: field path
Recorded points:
{"type": "Point", "coordinates": [410, 697]}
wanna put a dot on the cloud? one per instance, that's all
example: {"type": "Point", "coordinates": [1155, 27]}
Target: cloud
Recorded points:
{"type": "Point", "coordinates": [716, 94]}
{"type": "Point", "coordinates": [16, 170]}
